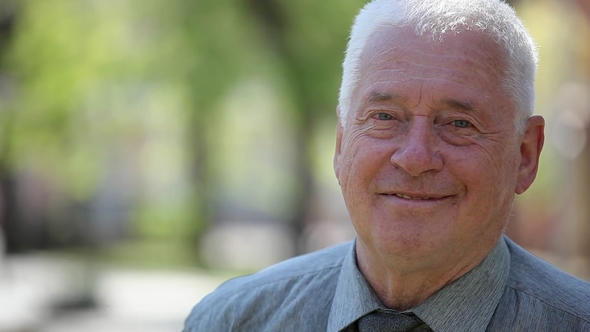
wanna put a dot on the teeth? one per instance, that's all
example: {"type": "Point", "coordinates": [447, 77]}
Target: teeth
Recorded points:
{"type": "Point", "coordinates": [412, 198]}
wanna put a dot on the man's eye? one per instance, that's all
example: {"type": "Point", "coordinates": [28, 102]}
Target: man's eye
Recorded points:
{"type": "Point", "coordinates": [461, 123]}
{"type": "Point", "coordinates": [383, 116]}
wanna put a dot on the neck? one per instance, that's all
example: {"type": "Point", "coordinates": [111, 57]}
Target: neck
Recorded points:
{"type": "Point", "coordinates": [402, 285]}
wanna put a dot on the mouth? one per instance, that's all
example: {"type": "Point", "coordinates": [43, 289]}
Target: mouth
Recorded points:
{"type": "Point", "coordinates": [416, 197]}
{"type": "Point", "coordinates": [413, 198]}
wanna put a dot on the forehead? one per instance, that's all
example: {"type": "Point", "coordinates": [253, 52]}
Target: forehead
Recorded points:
{"type": "Point", "coordinates": [467, 64]}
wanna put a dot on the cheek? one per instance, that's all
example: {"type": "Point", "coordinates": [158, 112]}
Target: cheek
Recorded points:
{"type": "Point", "coordinates": [361, 160]}
{"type": "Point", "coordinates": [503, 166]}
{"type": "Point", "coordinates": [496, 160]}
{"type": "Point", "coordinates": [489, 173]}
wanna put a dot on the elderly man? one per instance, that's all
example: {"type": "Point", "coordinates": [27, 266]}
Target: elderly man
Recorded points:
{"type": "Point", "coordinates": [435, 138]}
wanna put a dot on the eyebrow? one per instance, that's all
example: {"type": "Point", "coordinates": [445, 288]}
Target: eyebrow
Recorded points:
{"type": "Point", "coordinates": [462, 105]}
{"type": "Point", "coordinates": [379, 96]}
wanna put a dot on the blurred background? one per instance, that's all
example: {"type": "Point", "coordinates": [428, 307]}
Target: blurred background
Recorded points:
{"type": "Point", "coordinates": [150, 150]}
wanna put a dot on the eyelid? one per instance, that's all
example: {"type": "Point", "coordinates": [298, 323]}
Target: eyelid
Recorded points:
{"type": "Point", "coordinates": [450, 118]}
{"type": "Point", "coordinates": [375, 112]}
{"type": "Point", "coordinates": [473, 127]}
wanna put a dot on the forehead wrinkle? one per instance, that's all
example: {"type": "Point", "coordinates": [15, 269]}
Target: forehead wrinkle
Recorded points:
{"type": "Point", "coordinates": [401, 64]}
{"type": "Point", "coordinates": [398, 76]}
{"type": "Point", "coordinates": [403, 52]}
{"type": "Point", "coordinates": [432, 71]}
{"type": "Point", "coordinates": [379, 53]}
{"type": "Point", "coordinates": [391, 71]}
{"type": "Point", "coordinates": [488, 67]}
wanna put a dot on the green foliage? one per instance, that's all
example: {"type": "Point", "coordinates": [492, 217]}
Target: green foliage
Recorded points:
{"type": "Point", "coordinates": [316, 37]}
{"type": "Point", "coordinates": [132, 87]}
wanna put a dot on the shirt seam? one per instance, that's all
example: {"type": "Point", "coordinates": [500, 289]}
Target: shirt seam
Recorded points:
{"type": "Point", "coordinates": [549, 304]}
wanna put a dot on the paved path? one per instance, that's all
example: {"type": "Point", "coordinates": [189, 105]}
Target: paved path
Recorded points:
{"type": "Point", "coordinates": [128, 300]}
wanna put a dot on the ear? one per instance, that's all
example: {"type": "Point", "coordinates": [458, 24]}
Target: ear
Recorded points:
{"type": "Point", "coordinates": [337, 152]}
{"type": "Point", "coordinates": [530, 150]}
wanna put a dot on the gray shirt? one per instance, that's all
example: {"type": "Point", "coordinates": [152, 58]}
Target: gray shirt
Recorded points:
{"type": "Point", "coordinates": [510, 290]}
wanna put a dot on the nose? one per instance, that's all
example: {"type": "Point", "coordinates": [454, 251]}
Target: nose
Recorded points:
{"type": "Point", "coordinates": [418, 153]}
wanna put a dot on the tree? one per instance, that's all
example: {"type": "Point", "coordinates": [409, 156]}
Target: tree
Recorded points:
{"type": "Point", "coordinates": [308, 38]}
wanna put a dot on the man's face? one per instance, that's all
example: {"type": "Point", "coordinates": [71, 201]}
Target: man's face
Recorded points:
{"type": "Point", "coordinates": [430, 160]}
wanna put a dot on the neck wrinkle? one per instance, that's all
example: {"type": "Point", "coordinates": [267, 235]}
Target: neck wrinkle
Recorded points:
{"type": "Point", "coordinates": [399, 290]}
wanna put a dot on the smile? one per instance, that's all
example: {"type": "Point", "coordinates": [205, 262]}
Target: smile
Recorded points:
{"type": "Point", "coordinates": [413, 198]}
{"type": "Point", "coordinates": [417, 197]}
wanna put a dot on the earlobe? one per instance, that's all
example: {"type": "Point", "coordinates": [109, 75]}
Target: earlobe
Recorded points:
{"type": "Point", "coordinates": [530, 151]}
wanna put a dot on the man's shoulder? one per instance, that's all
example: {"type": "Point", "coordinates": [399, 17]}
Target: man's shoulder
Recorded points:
{"type": "Point", "coordinates": [318, 262]}
{"type": "Point", "coordinates": [261, 296]}
{"type": "Point", "coordinates": [539, 280]}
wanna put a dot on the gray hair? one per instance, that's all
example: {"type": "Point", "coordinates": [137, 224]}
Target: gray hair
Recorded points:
{"type": "Point", "coordinates": [437, 18]}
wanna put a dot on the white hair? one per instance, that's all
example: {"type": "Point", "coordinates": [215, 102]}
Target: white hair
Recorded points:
{"type": "Point", "coordinates": [437, 18]}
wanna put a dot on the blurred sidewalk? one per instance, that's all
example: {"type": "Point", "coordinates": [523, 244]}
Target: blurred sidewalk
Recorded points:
{"type": "Point", "coordinates": [127, 299]}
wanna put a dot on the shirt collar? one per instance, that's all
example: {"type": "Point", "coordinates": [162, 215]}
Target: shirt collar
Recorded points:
{"type": "Point", "coordinates": [353, 297]}
{"type": "Point", "coordinates": [467, 304]}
